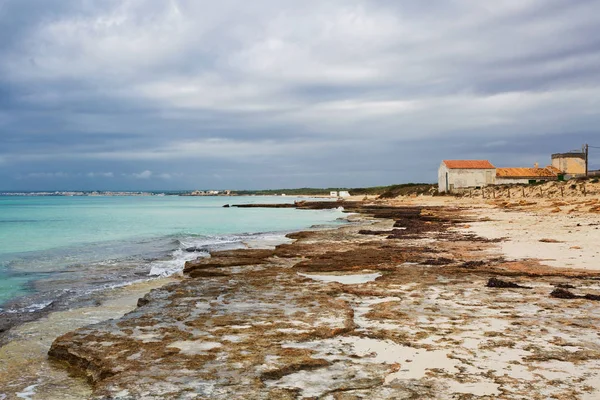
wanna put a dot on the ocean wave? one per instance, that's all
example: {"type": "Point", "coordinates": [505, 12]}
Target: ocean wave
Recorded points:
{"type": "Point", "coordinates": [174, 265]}
{"type": "Point", "coordinates": [192, 247]}
{"type": "Point", "coordinates": [132, 262]}
{"type": "Point", "coordinates": [35, 307]}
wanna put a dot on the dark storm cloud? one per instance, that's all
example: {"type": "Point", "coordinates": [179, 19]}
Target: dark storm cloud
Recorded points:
{"type": "Point", "coordinates": [184, 94]}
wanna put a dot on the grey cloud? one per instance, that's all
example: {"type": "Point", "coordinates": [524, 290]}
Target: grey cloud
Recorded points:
{"type": "Point", "coordinates": [290, 94]}
{"type": "Point", "coordinates": [47, 175]}
{"type": "Point", "coordinates": [143, 175]}
{"type": "Point", "coordinates": [100, 174]}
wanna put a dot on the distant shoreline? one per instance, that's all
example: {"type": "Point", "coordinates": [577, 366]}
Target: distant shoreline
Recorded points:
{"type": "Point", "coordinates": [149, 194]}
{"type": "Point", "coordinates": [388, 191]}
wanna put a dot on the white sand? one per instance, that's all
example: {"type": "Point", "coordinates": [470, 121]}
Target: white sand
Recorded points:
{"type": "Point", "coordinates": [576, 235]}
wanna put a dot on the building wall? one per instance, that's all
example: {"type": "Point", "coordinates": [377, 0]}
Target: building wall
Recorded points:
{"type": "Point", "coordinates": [511, 181]}
{"type": "Point", "coordinates": [569, 165]}
{"type": "Point", "coordinates": [464, 178]}
{"type": "Point", "coordinates": [442, 178]}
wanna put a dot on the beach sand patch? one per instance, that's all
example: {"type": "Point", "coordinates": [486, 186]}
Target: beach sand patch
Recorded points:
{"type": "Point", "coordinates": [353, 279]}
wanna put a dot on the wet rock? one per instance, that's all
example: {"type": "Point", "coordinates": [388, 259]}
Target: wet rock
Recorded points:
{"type": "Point", "coordinates": [560, 293]}
{"type": "Point", "coordinates": [372, 232]}
{"type": "Point", "coordinates": [498, 283]}
{"type": "Point", "coordinates": [207, 273]}
{"type": "Point", "coordinates": [142, 301]}
{"type": "Point", "coordinates": [437, 261]}
{"type": "Point", "coordinates": [563, 294]}
{"type": "Point", "coordinates": [375, 258]}
{"type": "Point", "coordinates": [79, 362]}
{"type": "Point", "coordinates": [218, 337]}
{"type": "Point", "coordinates": [472, 264]}
{"type": "Point", "coordinates": [408, 233]}
{"type": "Point", "coordinates": [299, 235]}
{"type": "Point", "coordinates": [564, 286]}
{"type": "Point", "coordinates": [194, 249]}
{"type": "Point", "coordinates": [307, 365]}
{"type": "Point", "coordinates": [228, 258]}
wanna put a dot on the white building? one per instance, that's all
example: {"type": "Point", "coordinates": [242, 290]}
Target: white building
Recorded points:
{"type": "Point", "coordinates": [333, 194]}
{"type": "Point", "coordinates": [344, 193]}
{"type": "Point", "coordinates": [458, 174]}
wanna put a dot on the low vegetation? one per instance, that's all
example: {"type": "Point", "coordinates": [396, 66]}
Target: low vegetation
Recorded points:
{"type": "Point", "coordinates": [382, 191]}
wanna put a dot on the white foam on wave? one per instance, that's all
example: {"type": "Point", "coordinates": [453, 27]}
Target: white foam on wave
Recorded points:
{"type": "Point", "coordinates": [27, 392]}
{"type": "Point", "coordinates": [30, 308]}
{"type": "Point", "coordinates": [38, 306]}
{"type": "Point", "coordinates": [174, 265]}
{"type": "Point", "coordinates": [203, 245]}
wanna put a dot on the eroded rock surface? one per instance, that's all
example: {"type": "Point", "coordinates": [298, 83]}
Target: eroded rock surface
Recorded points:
{"type": "Point", "coordinates": [343, 315]}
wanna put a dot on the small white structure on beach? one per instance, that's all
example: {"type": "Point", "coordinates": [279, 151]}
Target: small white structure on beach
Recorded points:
{"type": "Point", "coordinates": [333, 194]}
{"type": "Point", "coordinates": [458, 174]}
{"type": "Point", "coordinates": [344, 193]}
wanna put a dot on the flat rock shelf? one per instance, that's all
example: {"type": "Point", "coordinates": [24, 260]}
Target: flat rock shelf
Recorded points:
{"type": "Point", "coordinates": [393, 307]}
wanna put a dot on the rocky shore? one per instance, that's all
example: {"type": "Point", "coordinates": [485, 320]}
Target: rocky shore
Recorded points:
{"type": "Point", "coordinates": [407, 304]}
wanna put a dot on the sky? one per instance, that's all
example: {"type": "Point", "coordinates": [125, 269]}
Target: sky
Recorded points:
{"type": "Point", "coordinates": [195, 94]}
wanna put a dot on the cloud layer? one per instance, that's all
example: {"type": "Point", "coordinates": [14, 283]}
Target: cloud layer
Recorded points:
{"type": "Point", "coordinates": [285, 93]}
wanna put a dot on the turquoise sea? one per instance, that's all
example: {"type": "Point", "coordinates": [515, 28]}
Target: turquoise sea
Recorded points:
{"type": "Point", "coordinates": [54, 250]}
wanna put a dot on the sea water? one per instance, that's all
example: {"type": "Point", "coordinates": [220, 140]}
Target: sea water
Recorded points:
{"type": "Point", "coordinates": [58, 249]}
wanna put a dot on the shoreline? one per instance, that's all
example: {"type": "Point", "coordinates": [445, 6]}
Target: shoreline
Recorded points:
{"type": "Point", "coordinates": [26, 338]}
{"type": "Point", "coordinates": [58, 291]}
{"type": "Point", "coordinates": [25, 368]}
{"type": "Point", "coordinates": [409, 279]}
{"type": "Point", "coordinates": [354, 312]}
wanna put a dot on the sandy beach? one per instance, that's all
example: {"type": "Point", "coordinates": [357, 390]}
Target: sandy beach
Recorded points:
{"type": "Point", "coordinates": [428, 297]}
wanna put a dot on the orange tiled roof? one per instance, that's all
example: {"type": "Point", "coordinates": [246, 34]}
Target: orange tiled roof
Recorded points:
{"type": "Point", "coordinates": [525, 173]}
{"type": "Point", "coordinates": [553, 169]}
{"type": "Point", "coordinates": [468, 164]}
